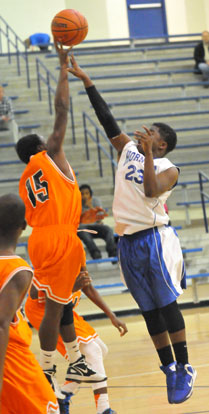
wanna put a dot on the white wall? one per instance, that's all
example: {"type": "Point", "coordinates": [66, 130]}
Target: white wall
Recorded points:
{"type": "Point", "coordinates": [106, 18]}
{"type": "Point", "coordinates": [30, 16]}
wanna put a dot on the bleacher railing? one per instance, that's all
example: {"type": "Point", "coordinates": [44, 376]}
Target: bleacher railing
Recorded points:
{"type": "Point", "coordinates": [45, 76]}
{"type": "Point", "coordinates": [203, 178]}
{"type": "Point", "coordinates": [98, 134]}
{"type": "Point", "coordinates": [14, 42]}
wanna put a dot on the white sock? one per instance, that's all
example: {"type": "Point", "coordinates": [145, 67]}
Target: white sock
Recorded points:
{"type": "Point", "coordinates": [47, 359]}
{"type": "Point", "coordinates": [73, 351]}
{"type": "Point", "coordinates": [70, 386]}
{"type": "Point", "coordinates": [102, 402]}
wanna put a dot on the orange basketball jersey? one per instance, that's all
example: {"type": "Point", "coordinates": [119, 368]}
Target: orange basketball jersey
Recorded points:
{"type": "Point", "coordinates": [9, 267]}
{"type": "Point", "coordinates": [49, 196]}
{"type": "Point", "coordinates": [25, 387]}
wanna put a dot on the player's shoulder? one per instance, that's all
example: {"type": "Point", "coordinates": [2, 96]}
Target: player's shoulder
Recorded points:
{"type": "Point", "coordinates": [164, 163]}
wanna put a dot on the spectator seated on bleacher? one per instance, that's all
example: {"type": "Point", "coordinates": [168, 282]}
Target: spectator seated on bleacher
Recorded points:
{"type": "Point", "coordinates": [103, 231]}
{"type": "Point", "coordinates": [42, 40]}
{"type": "Point", "coordinates": [201, 56]}
{"type": "Point", "coordinates": [7, 122]}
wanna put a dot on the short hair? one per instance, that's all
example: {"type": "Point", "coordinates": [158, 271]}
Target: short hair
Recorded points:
{"type": "Point", "coordinates": [86, 186]}
{"type": "Point", "coordinates": [12, 215]}
{"type": "Point", "coordinates": [27, 146]}
{"type": "Point", "coordinates": [168, 134]}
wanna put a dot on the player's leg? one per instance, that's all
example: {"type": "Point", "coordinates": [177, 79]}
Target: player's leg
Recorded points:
{"type": "Point", "coordinates": [140, 265]}
{"type": "Point", "coordinates": [78, 369]}
{"type": "Point", "coordinates": [185, 373]}
{"type": "Point", "coordinates": [94, 351]}
{"type": "Point", "coordinates": [157, 329]}
{"type": "Point", "coordinates": [169, 275]}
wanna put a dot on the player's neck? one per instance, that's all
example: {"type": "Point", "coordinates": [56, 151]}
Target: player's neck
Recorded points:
{"type": "Point", "coordinates": [7, 248]}
{"type": "Point", "coordinates": [7, 252]}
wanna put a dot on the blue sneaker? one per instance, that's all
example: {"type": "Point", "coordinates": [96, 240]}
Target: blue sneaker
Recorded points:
{"type": "Point", "coordinates": [184, 383]}
{"type": "Point", "coordinates": [64, 404]}
{"type": "Point", "coordinates": [170, 372]}
{"type": "Point", "coordinates": [109, 411]}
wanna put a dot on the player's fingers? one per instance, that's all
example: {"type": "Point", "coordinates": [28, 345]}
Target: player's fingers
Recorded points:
{"type": "Point", "coordinates": [147, 130]}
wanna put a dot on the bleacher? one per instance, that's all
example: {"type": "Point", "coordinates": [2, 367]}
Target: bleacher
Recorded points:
{"type": "Point", "coordinates": [141, 84]}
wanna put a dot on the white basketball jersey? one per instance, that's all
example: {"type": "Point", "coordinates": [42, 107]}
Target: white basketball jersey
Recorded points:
{"type": "Point", "coordinates": [132, 210]}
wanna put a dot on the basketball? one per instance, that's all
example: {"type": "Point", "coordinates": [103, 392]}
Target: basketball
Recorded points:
{"type": "Point", "coordinates": [69, 27]}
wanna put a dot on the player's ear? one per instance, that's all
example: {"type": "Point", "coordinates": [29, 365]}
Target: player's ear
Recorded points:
{"type": "Point", "coordinates": [163, 145]}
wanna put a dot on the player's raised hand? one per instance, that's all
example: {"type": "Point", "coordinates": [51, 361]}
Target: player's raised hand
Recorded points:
{"type": "Point", "coordinates": [145, 139]}
{"type": "Point", "coordinates": [62, 53]}
{"type": "Point", "coordinates": [121, 326]}
{"type": "Point", "coordinates": [75, 69]}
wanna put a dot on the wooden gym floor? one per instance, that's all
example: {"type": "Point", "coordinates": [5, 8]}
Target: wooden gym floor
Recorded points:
{"type": "Point", "coordinates": [136, 384]}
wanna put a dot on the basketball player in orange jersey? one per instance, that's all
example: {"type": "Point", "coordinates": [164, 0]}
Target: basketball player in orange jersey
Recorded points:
{"type": "Point", "coordinates": [90, 343]}
{"type": "Point", "coordinates": [23, 385]}
{"type": "Point", "coordinates": [52, 199]}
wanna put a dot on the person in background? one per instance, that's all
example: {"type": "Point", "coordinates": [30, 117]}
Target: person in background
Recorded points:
{"type": "Point", "coordinates": [103, 231]}
{"type": "Point", "coordinates": [7, 122]}
{"type": "Point", "coordinates": [41, 40]}
{"type": "Point", "coordinates": [201, 56]}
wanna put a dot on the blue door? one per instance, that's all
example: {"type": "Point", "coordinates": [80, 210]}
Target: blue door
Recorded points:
{"type": "Point", "coordinates": [146, 18]}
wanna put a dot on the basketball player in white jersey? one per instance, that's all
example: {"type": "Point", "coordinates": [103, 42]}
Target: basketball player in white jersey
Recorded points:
{"type": "Point", "coordinates": [149, 250]}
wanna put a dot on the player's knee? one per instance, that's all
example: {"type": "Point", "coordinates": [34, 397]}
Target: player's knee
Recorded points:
{"type": "Point", "coordinates": [155, 322]}
{"type": "Point", "coordinates": [67, 317]}
{"type": "Point", "coordinates": [173, 317]}
{"type": "Point", "coordinates": [103, 346]}
{"type": "Point", "coordinates": [92, 352]}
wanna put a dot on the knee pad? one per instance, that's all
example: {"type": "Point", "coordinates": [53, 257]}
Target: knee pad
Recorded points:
{"type": "Point", "coordinates": [173, 317]}
{"type": "Point", "coordinates": [67, 317]}
{"type": "Point", "coordinates": [102, 345]}
{"type": "Point", "coordinates": [155, 322]}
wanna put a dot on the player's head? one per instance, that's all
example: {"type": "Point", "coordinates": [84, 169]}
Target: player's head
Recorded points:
{"type": "Point", "coordinates": [12, 217]}
{"type": "Point", "coordinates": [86, 192]}
{"type": "Point", "coordinates": [205, 36]}
{"type": "Point", "coordinates": [29, 145]}
{"type": "Point", "coordinates": [167, 135]}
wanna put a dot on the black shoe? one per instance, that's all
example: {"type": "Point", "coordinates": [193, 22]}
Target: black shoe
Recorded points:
{"type": "Point", "coordinates": [96, 255]}
{"type": "Point", "coordinates": [50, 376]}
{"type": "Point", "coordinates": [79, 371]}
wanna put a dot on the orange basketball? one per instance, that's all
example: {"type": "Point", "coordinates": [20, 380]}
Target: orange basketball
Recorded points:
{"type": "Point", "coordinates": [69, 27]}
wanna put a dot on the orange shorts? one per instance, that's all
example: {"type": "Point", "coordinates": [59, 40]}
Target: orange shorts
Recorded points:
{"type": "Point", "coordinates": [57, 255]}
{"type": "Point", "coordinates": [25, 387]}
{"type": "Point", "coordinates": [84, 332]}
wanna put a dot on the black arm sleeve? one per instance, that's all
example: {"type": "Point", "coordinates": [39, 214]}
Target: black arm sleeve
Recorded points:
{"type": "Point", "coordinates": [103, 113]}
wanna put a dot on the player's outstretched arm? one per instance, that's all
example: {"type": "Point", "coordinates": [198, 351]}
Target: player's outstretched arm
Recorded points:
{"type": "Point", "coordinates": [11, 298]}
{"type": "Point", "coordinates": [95, 297]}
{"type": "Point", "coordinates": [55, 140]}
{"type": "Point", "coordinates": [103, 113]}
